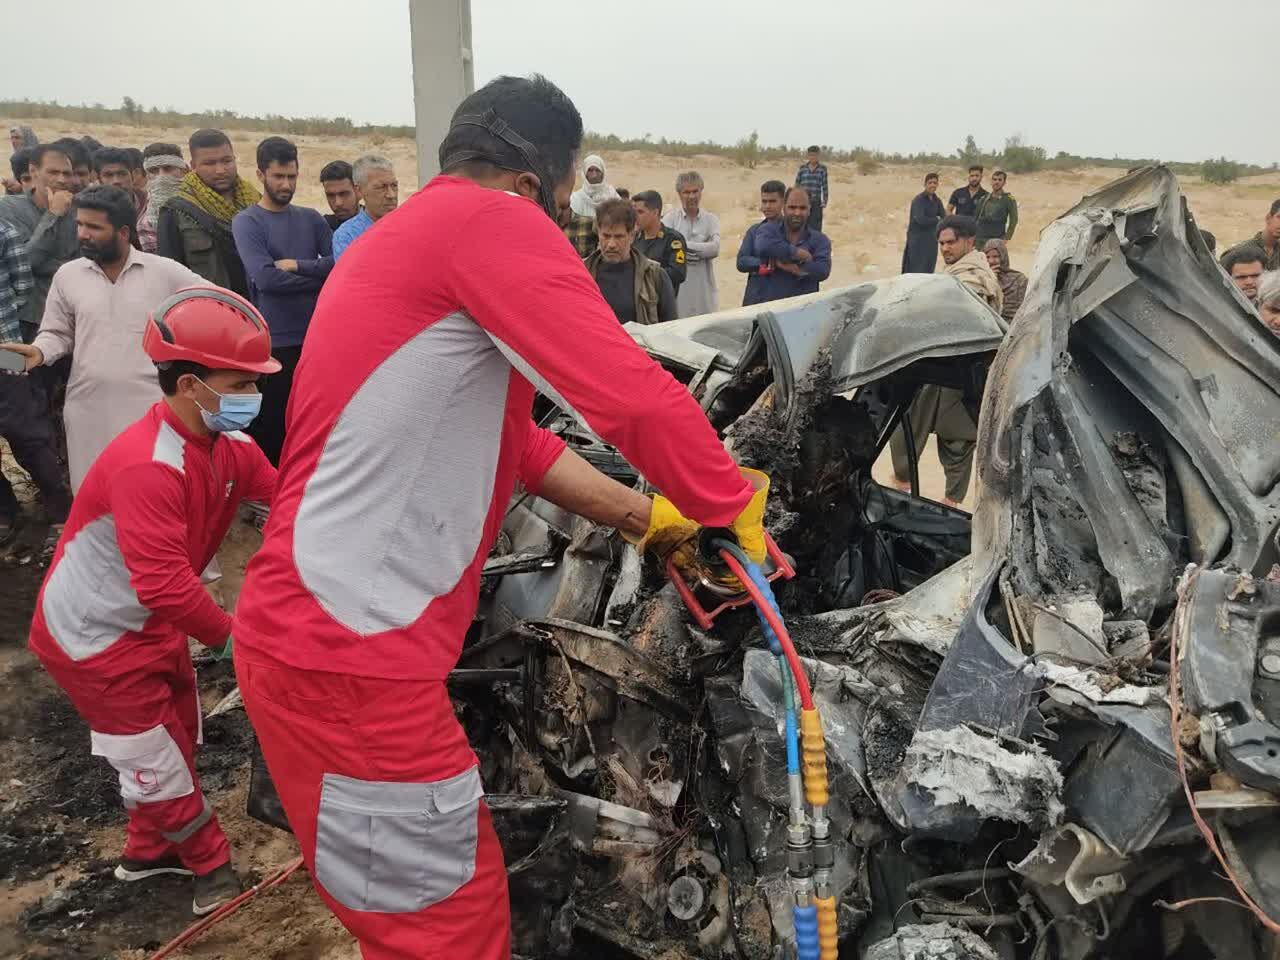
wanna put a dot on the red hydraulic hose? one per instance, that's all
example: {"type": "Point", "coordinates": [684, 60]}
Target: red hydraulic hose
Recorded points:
{"type": "Point", "coordinates": [228, 908]}
{"type": "Point", "coordinates": [766, 610]}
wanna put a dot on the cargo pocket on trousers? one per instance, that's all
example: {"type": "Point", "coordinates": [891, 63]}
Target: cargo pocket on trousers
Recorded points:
{"type": "Point", "coordinates": [151, 765]}
{"type": "Point", "coordinates": [396, 847]}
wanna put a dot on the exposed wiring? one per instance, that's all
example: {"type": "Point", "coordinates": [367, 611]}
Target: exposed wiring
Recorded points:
{"type": "Point", "coordinates": [1181, 904]}
{"type": "Point", "coordinates": [1041, 950]}
{"type": "Point", "coordinates": [1076, 627]}
{"type": "Point", "coordinates": [578, 700]}
{"type": "Point", "coordinates": [1021, 639]}
{"type": "Point", "coordinates": [1175, 717]}
{"type": "Point", "coordinates": [227, 909]}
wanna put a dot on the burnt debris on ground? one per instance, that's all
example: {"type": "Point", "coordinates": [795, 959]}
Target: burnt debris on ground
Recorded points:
{"type": "Point", "coordinates": [56, 798]}
{"type": "Point", "coordinates": [97, 913]}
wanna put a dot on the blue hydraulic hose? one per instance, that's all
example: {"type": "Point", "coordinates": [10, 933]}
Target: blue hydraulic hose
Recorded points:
{"type": "Point", "coordinates": [760, 580]}
{"type": "Point", "coordinates": [808, 941]}
{"type": "Point", "coordinates": [775, 646]}
{"type": "Point", "coordinates": [806, 920]}
{"type": "Point", "coordinates": [793, 738]}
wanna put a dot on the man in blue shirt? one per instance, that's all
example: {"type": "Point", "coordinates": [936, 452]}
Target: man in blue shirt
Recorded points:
{"type": "Point", "coordinates": [771, 192]}
{"type": "Point", "coordinates": [287, 252]}
{"type": "Point", "coordinates": [377, 186]}
{"type": "Point", "coordinates": [799, 256]}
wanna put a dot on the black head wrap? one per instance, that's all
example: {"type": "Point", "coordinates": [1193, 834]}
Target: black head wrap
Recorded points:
{"type": "Point", "coordinates": [494, 124]}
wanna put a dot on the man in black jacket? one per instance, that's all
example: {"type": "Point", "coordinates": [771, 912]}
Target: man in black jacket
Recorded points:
{"type": "Point", "coordinates": [660, 244]}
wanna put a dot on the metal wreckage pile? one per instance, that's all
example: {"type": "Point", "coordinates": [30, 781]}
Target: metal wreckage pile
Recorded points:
{"type": "Point", "coordinates": [1004, 775]}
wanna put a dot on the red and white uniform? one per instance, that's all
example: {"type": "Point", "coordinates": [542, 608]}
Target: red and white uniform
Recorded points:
{"type": "Point", "coordinates": [408, 428]}
{"type": "Point", "coordinates": [118, 603]}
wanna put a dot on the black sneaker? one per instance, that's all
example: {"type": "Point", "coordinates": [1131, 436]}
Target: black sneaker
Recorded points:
{"type": "Point", "coordinates": [130, 870]}
{"type": "Point", "coordinates": [215, 888]}
{"type": "Point", "coordinates": [50, 545]}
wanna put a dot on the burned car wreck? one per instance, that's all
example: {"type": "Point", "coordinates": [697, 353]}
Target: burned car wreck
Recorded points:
{"type": "Point", "coordinates": [995, 690]}
{"type": "Point", "coordinates": [659, 737]}
{"type": "Point", "coordinates": [1052, 729]}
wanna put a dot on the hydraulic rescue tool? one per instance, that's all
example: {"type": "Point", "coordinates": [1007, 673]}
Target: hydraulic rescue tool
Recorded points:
{"type": "Point", "coordinates": [810, 850]}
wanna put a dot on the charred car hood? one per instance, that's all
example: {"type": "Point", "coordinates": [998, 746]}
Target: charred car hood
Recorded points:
{"type": "Point", "coordinates": [871, 330]}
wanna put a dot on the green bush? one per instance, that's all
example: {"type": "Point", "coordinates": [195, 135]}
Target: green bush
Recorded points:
{"type": "Point", "coordinates": [867, 165]}
{"type": "Point", "coordinates": [746, 152]}
{"type": "Point", "coordinates": [1022, 157]}
{"type": "Point", "coordinates": [969, 154]}
{"type": "Point", "coordinates": [1064, 161]}
{"type": "Point", "coordinates": [1220, 171]}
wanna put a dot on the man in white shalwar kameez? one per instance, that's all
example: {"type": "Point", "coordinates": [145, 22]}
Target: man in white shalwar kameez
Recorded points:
{"type": "Point", "coordinates": [96, 311]}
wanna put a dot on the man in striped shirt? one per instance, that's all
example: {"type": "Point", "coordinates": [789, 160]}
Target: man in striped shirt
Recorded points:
{"type": "Point", "coordinates": [813, 177]}
{"type": "Point", "coordinates": [24, 416]}
{"type": "Point", "coordinates": [15, 281]}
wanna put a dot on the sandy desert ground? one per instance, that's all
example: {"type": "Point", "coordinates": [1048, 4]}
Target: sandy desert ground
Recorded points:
{"type": "Point", "coordinates": [866, 222]}
{"type": "Point", "coordinates": [866, 219]}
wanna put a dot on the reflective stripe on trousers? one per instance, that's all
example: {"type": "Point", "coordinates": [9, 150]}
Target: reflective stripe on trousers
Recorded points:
{"type": "Point", "coordinates": [400, 846]}
{"type": "Point", "coordinates": [145, 724]}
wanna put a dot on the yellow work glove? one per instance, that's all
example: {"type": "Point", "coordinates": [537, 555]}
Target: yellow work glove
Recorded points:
{"type": "Point", "coordinates": [670, 532]}
{"type": "Point", "coordinates": [748, 527]}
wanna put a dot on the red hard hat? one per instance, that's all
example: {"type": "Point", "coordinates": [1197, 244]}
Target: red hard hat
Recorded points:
{"type": "Point", "coordinates": [210, 326]}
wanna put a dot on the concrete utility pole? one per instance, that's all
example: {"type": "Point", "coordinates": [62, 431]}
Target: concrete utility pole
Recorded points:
{"type": "Point", "coordinates": [440, 38]}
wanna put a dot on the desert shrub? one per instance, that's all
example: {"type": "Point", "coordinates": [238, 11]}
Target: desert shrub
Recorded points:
{"type": "Point", "coordinates": [1017, 158]}
{"type": "Point", "coordinates": [1022, 157]}
{"type": "Point", "coordinates": [746, 151]}
{"type": "Point", "coordinates": [1220, 171]}
{"type": "Point", "coordinates": [1064, 161]}
{"type": "Point", "coordinates": [969, 154]}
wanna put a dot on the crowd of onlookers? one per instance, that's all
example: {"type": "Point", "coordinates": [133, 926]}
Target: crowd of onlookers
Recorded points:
{"type": "Point", "coordinates": [785, 254]}
{"type": "Point", "coordinates": [94, 237]}
{"type": "Point", "coordinates": [640, 257]}
{"type": "Point", "coordinates": [654, 266]}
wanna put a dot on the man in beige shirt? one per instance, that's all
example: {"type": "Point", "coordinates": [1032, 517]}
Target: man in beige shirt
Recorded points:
{"type": "Point", "coordinates": [957, 242]}
{"type": "Point", "coordinates": [941, 410]}
{"type": "Point", "coordinates": [96, 311]}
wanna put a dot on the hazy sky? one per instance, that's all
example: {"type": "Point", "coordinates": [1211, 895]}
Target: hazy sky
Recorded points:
{"type": "Point", "coordinates": [1174, 79]}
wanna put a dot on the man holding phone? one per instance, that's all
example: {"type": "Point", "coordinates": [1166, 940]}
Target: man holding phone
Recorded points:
{"type": "Point", "coordinates": [96, 312]}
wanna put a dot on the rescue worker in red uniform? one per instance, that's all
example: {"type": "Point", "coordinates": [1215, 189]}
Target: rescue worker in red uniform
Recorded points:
{"type": "Point", "coordinates": [123, 592]}
{"type": "Point", "coordinates": [405, 441]}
